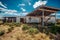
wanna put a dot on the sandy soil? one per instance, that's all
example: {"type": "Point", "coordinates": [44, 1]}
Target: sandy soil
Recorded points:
{"type": "Point", "coordinates": [18, 34]}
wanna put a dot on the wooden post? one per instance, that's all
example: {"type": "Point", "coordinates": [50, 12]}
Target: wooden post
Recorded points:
{"type": "Point", "coordinates": [55, 19]}
{"type": "Point", "coordinates": [43, 18]}
{"type": "Point", "coordinates": [12, 20]}
{"type": "Point", "coordinates": [6, 19]}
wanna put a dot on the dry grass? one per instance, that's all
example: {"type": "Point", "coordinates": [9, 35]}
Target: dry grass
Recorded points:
{"type": "Point", "coordinates": [18, 34]}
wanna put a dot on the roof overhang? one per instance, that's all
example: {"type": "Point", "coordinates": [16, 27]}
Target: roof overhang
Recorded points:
{"type": "Point", "coordinates": [47, 11]}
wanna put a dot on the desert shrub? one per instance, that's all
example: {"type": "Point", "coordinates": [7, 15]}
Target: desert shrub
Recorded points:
{"type": "Point", "coordinates": [33, 31]}
{"type": "Point", "coordinates": [18, 38]}
{"type": "Point", "coordinates": [6, 23]}
{"type": "Point", "coordinates": [14, 24]}
{"type": "Point", "coordinates": [55, 29]}
{"type": "Point", "coordinates": [11, 24]}
{"type": "Point", "coordinates": [51, 24]}
{"type": "Point", "coordinates": [17, 24]}
{"type": "Point", "coordinates": [1, 21]}
{"type": "Point", "coordinates": [35, 25]}
{"type": "Point", "coordinates": [25, 27]}
{"type": "Point", "coordinates": [2, 33]}
{"type": "Point", "coordinates": [10, 29]}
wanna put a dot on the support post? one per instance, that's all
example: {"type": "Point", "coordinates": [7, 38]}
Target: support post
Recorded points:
{"type": "Point", "coordinates": [43, 18]}
{"type": "Point", "coordinates": [12, 20]}
{"type": "Point", "coordinates": [55, 19]}
{"type": "Point", "coordinates": [6, 19]}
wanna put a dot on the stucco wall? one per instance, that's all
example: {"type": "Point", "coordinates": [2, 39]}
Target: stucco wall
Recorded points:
{"type": "Point", "coordinates": [38, 19]}
{"type": "Point", "coordinates": [33, 19]}
{"type": "Point", "coordinates": [17, 19]}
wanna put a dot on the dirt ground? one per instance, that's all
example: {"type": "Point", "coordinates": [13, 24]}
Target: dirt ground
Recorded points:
{"type": "Point", "coordinates": [19, 34]}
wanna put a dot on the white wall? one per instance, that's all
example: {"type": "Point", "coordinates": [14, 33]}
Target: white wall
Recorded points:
{"type": "Point", "coordinates": [33, 20]}
{"type": "Point", "coordinates": [38, 19]}
{"type": "Point", "coordinates": [52, 20]}
{"type": "Point", "coordinates": [18, 19]}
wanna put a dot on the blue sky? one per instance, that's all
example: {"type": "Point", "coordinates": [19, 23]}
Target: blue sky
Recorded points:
{"type": "Point", "coordinates": [22, 7]}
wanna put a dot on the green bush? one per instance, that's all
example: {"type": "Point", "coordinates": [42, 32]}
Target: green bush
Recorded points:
{"type": "Point", "coordinates": [6, 24]}
{"type": "Point", "coordinates": [25, 27]}
{"type": "Point", "coordinates": [12, 24]}
{"type": "Point", "coordinates": [17, 24]}
{"type": "Point", "coordinates": [51, 24]}
{"type": "Point", "coordinates": [35, 25]}
{"type": "Point", "coordinates": [55, 29]}
{"type": "Point", "coordinates": [2, 33]}
{"type": "Point", "coordinates": [10, 29]}
{"type": "Point", "coordinates": [33, 31]}
{"type": "Point", "coordinates": [9, 24]}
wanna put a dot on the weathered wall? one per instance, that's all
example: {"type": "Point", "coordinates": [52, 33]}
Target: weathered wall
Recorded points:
{"type": "Point", "coordinates": [38, 19]}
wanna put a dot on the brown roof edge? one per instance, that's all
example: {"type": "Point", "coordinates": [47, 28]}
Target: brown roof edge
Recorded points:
{"type": "Point", "coordinates": [49, 7]}
{"type": "Point", "coordinates": [45, 7]}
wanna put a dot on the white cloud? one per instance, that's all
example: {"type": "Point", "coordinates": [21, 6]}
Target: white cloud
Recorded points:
{"type": "Point", "coordinates": [8, 11]}
{"type": "Point", "coordinates": [11, 12]}
{"type": "Point", "coordinates": [3, 9]}
{"type": "Point", "coordinates": [2, 5]}
{"type": "Point", "coordinates": [23, 9]}
{"type": "Point", "coordinates": [21, 5]}
{"type": "Point", "coordinates": [39, 3]}
{"type": "Point", "coordinates": [29, 3]}
{"type": "Point", "coordinates": [23, 13]}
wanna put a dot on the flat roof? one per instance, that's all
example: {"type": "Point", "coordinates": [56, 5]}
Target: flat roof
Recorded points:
{"type": "Point", "coordinates": [47, 11]}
